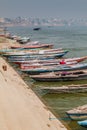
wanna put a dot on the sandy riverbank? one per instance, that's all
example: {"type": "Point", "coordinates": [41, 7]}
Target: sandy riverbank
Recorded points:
{"type": "Point", "coordinates": [20, 108]}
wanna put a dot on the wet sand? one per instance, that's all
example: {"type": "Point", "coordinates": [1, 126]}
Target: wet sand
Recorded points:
{"type": "Point", "coordinates": [20, 107]}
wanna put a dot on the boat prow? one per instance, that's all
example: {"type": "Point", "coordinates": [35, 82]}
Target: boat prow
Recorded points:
{"type": "Point", "coordinates": [78, 113]}
{"type": "Point", "coordinates": [83, 123]}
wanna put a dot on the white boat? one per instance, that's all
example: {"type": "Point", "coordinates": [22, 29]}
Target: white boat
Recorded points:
{"type": "Point", "coordinates": [55, 68]}
{"type": "Point", "coordinates": [60, 76]}
{"type": "Point", "coordinates": [78, 113]}
{"type": "Point", "coordinates": [23, 40]}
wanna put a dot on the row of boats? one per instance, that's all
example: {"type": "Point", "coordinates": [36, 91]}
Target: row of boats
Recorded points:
{"type": "Point", "coordinates": [43, 63]}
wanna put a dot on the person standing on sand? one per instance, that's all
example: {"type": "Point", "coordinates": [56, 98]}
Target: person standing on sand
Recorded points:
{"type": "Point", "coordinates": [4, 67]}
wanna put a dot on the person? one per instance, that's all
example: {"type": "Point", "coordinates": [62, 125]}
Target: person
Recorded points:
{"type": "Point", "coordinates": [4, 67]}
{"type": "Point", "coordinates": [62, 62]}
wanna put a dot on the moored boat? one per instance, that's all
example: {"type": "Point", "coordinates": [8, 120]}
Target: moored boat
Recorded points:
{"type": "Point", "coordinates": [23, 40]}
{"type": "Point", "coordinates": [33, 46]}
{"type": "Point", "coordinates": [8, 51]}
{"type": "Point", "coordinates": [78, 113]}
{"type": "Point", "coordinates": [82, 123]}
{"type": "Point", "coordinates": [80, 88]}
{"type": "Point", "coordinates": [18, 52]}
{"type": "Point", "coordinates": [39, 64]}
{"type": "Point", "coordinates": [60, 76]}
{"type": "Point", "coordinates": [35, 56]}
{"type": "Point", "coordinates": [51, 61]}
{"type": "Point", "coordinates": [55, 68]}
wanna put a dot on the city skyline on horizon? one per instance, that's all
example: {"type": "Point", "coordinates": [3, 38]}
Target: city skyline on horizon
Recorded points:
{"type": "Point", "coordinates": [64, 9]}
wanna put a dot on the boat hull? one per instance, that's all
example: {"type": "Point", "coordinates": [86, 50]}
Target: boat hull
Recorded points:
{"type": "Point", "coordinates": [41, 57]}
{"type": "Point", "coordinates": [77, 116]}
{"type": "Point", "coordinates": [54, 79]}
{"type": "Point", "coordinates": [78, 113]}
{"type": "Point", "coordinates": [57, 68]}
{"type": "Point", "coordinates": [83, 123]}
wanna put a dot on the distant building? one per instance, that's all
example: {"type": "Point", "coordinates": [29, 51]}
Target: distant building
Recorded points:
{"type": "Point", "coordinates": [2, 20]}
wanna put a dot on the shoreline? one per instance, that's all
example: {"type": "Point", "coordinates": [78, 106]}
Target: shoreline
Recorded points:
{"type": "Point", "coordinates": [20, 107]}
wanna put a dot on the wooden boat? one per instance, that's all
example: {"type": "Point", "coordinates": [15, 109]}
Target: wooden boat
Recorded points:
{"type": "Point", "coordinates": [18, 51]}
{"type": "Point", "coordinates": [33, 46]}
{"type": "Point", "coordinates": [55, 68]}
{"type": "Point", "coordinates": [78, 113]}
{"type": "Point", "coordinates": [79, 88]}
{"type": "Point", "coordinates": [23, 40]}
{"type": "Point", "coordinates": [77, 59]}
{"type": "Point", "coordinates": [82, 123]}
{"type": "Point", "coordinates": [34, 65]}
{"type": "Point", "coordinates": [32, 52]}
{"type": "Point", "coordinates": [38, 61]}
{"type": "Point", "coordinates": [38, 56]}
{"type": "Point", "coordinates": [53, 61]}
{"type": "Point", "coordinates": [61, 76]}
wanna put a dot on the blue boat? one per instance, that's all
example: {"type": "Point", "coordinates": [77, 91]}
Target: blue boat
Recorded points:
{"type": "Point", "coordinates": [37, 56]}
{"type": "Point", "coordinates": [83, 123]}
{"type": "Point", "coordinates": [55, 68]}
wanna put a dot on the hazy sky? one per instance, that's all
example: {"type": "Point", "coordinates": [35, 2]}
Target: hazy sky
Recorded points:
{"type": "Point", "coordinates": [43, 8]}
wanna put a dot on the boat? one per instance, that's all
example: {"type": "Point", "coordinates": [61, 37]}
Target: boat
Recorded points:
{"type": "Point", "coordinates": [60, 76]}
{"type": "Point", "coordinates": [19, 51]}
{"type": "Point", "coordinates": [36, 46]}
{"type": "Point", "coordinates": [77, 59]}
{"type": "Point", "coordinates": [79, 88]}
{"type": "Point", "coordinates": [78, 113]}
{"type": "Point", "coordinates": [51, 61]}
{"type": "Point", "coordinates": [82, 123]}
{"type": "Point", "coordinates": [67, 61]}
{"type": "Point", "coordinates": [34, 56]}
{"type": "Point", "coordinates": [32, 52]}
{"type": "Point", "coordinates": [23, 40]}
{"type": "Point", "coordinates": [36, 28]}
{"type": "Point", "coordinates": [55, 68]}
{"type": "Point", "coordinates": [35, 65]}
{"type": "Point", "coordinates": [39, 64]}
